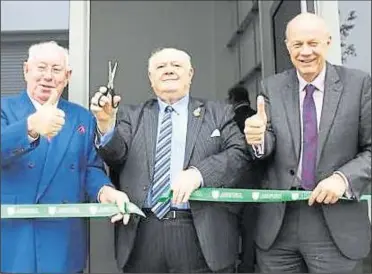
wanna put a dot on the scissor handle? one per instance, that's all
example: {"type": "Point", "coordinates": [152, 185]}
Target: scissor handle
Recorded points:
{"type": "Point", "coordinates": [112, 93]}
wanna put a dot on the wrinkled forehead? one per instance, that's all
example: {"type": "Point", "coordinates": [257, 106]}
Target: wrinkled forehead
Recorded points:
{"type": "Point", "coordinates": [50, 57]}
{"type": "Point", "coordinates": [170, 55]}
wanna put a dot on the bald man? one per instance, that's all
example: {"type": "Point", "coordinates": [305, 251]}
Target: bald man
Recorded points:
{"type": "Point", "coordinates": [313, 125]}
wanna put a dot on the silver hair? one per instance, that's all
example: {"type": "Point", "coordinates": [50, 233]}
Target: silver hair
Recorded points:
{"type": "Point", "coordinates": [157, 50]}
{"type": "Point", "coordinates": [35, 50]}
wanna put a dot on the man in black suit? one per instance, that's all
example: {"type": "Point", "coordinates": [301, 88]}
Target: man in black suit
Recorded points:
{"type": "Point", "coordinates": [180, 143]}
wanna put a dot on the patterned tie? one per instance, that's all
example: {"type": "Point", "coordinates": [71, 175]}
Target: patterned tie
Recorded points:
{"type": "Point", "coordinates": [161, 182]}
{"type": "Point", "coordinates": [310, 139]}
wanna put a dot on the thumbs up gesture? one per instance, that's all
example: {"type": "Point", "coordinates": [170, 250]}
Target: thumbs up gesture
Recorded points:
{"type": "Point", "coordinates": [255, 126]}
{"type": "Point", "coordinates": [48, 120]}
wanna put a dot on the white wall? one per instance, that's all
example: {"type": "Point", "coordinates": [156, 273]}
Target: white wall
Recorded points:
{"type": "Point", "coordinates": [34, 15]}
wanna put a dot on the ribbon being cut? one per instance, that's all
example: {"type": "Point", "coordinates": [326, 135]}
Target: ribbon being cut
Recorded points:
{"type": "Point", "coordinates": [94, 210]}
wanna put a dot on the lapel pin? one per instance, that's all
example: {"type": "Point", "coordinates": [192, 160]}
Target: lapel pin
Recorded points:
{"type": "Point", "coordinates": [196, 112]}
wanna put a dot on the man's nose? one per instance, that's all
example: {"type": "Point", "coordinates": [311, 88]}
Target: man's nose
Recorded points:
{"type": "Point", "coordinates": [48, 74]}
{"type": "Point", "coordinates": [306, 50]}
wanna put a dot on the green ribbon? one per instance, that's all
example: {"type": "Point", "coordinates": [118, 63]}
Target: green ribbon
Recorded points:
{"type": "Point", "coordinates": [234, 195]}
{"type": "Point", "coordinates": [93, 210]}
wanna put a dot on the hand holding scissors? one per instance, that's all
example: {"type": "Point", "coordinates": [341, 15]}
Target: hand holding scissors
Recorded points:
{"type": "Point", "coordinates": [104, 103]}
{"type": "Point", "coordinates": [109, 89]}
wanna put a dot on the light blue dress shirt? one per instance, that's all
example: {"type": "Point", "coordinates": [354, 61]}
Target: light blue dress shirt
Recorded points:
{"type": "Point", "coordinates": [179, 130]}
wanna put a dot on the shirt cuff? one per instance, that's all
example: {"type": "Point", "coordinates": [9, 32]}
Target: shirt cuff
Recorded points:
{"type": "Point", "coordinates": [32, 139]}
{"type": "Point", "coordinates": [258, 150]}
{"type": "Point", "coordinates": [199, 174]}
{"type": "Point", "coordinates": [102, 139]}
{"type": "Point", "coordinates": [348, 192]}
{"type": "Point", "coordinates": [100, 191]}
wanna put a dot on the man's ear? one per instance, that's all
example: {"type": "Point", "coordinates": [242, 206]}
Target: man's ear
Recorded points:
{"type": "Point", "coordinates": [329, 40]}
{"type": "Point", "coordinates": [68, 76]}
{"type": "Point", "coordinates": [150, 79]}
{"type": "Point", "coordinates": [25, 69]}
{"type": "Point", "coordinates": [191, 73]}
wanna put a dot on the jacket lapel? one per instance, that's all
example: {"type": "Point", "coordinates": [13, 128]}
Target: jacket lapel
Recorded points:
{"type": "Point", "coordinates": [291, 101]}
{"type": "Point", "coordinates": [58, 146]}
{"type": "Point", "coordinates": [23, 107]}
{"type": "Point", "coordinates": [196, 113]}
{"type": "Point", "coordinates": [150, 120]}
{"type": "Point", "coordinates": [332, 94]}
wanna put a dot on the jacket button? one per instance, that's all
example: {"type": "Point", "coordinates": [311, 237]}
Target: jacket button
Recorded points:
{"type": "Point", "coordinates": [31, 165]}
{"type": "Point", "coordinates": [72, 166]}
{"type": "Point", "coordinates": [292, 172]}
{"type": "Point", "coordinates": [145, 187]}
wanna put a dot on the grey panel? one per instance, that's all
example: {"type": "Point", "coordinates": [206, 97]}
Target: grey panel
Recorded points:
{"type": "Point", "coordinates": [128, 31]}
{"type": "Point", "coordinates": [243, 8]}
{"type": "Point", "coordinates": [12, 58]}
{"type": "Point", "coordinates": [226, 59]}
{"type": "Point", "coordinates": [248, 50]}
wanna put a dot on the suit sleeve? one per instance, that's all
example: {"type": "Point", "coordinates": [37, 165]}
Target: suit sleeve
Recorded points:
{"type": "Point", "coordinates": [95, 176]}
{"type": "Point", "coordinates": [223, 169]}
{"type": "Point", "coordinates": [358, 170]}
{"type": "Point", "coordinates": [14, 140]}
{"type": "Point", "coordinates": [114, 152]}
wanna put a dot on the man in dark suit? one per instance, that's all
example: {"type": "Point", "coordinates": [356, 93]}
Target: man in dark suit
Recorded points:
{"type": "Point", "coordinates": [250, 178]}
{"type": "Point", "coordinates": [180, 143]}
{"type": "Point", "coordinates": [315, 131]}
{"type": "Point", "coordinates": [238, 96]}
{"type": "Point", "coordinates": [48, 157]}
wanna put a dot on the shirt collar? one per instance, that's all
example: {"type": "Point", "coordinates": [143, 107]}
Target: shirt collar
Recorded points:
{"type": "Point", "coordinates": [36, 104]}
{"type": "Point", "coordinates": [318, 82]}
{"type": "Point", "coordinates": [178, 106]}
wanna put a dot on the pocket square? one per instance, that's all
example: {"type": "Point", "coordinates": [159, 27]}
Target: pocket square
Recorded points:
{"type": "Point", "coordinates": [81, 129]}
{"type": "Point", "coordinates": [216, 133]}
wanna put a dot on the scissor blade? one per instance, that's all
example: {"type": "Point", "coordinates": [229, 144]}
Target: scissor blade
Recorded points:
{"type": "Point", "coordinates": [112, 73]}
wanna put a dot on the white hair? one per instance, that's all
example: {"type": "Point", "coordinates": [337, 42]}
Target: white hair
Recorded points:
{"type": "Point", "coordinates": [158, 50]}
{"type": "Point", "coordinates": [37, 49]}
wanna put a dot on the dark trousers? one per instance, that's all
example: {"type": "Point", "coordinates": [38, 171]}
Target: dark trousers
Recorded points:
{"type": "Point", "coordinates": [167, 246]}
{"type": "Point", "coordinates": [304, 245]}
{"type": "Point", "coordinates": [247, 229]}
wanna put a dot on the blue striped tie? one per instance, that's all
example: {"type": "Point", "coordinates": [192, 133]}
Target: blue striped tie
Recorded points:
{"type": "Point", "coordinates": [161, 181]}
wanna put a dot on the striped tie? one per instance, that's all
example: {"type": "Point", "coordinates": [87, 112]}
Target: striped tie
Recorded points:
{"type": "Point", "coordinates": [161, 182]}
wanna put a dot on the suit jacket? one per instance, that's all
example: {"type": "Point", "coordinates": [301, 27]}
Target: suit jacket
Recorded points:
{"type": "Point", "coordinates": [62, 171]}
{"type": "Point", "coordinates": [219, 159]}
{"type": "Point", "coordinates": [344, 144]}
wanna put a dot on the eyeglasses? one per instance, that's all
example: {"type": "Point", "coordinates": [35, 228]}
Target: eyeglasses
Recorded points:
{"type": "Point", "coordinates": [53, 70]}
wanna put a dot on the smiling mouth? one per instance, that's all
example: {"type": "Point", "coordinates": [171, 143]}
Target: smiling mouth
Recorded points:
{"type": "Point", "coordinates": [169, 80]}
{"type": "Point", "coordinates": [306, 61]}
{"type": "Point", "coordinates": [46, 87]}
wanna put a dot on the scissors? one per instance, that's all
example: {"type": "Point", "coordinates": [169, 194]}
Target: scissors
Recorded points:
{"type": "Point", "coordinates": [110, 86]}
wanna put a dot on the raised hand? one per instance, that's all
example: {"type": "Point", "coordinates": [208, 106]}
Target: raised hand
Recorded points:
{"type": "Point", "coordinates": [101, 106]}
{"type": "Point", "coordinates": [255, 126]}
{"type": "Point", "coordinates": [48, 120]}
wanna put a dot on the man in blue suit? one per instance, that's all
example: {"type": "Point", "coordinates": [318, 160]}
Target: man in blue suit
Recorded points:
{"type": "Point", "coordinates": [48, 157]}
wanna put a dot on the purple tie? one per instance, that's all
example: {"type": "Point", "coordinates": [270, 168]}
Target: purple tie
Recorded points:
{"type": "Point", "coordinates": [310, 139]}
